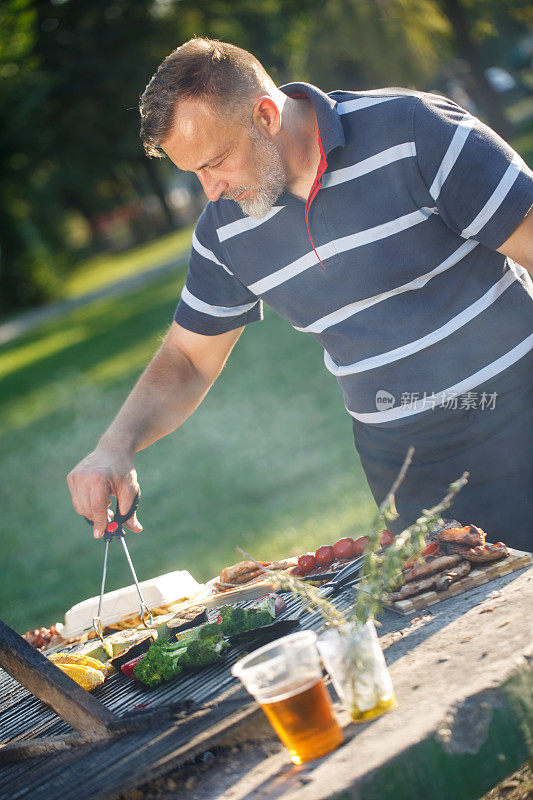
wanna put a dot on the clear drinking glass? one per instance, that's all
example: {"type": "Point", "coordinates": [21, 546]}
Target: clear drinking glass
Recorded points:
{"type": "Point", "coordinates": [285, 677]}
{"type": "Point", "coordinates": [353, 657]}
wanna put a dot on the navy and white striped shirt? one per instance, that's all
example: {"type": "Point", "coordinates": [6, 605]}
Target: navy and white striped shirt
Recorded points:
{"type": "Point", "coordinates": [391, 262]}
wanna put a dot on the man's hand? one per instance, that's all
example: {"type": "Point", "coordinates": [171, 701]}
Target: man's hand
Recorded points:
{"type": "Point", "coordinates": [94, 480]}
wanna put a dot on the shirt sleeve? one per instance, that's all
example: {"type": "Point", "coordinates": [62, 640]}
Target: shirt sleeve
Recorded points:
{"type": "Point", "coordinates": [213, 300]}
{"type": "Point", "coordinates": [481, 187]}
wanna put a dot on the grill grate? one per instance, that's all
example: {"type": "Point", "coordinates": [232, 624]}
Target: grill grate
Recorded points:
{"type": "Point", "coordinates": [23, 717]}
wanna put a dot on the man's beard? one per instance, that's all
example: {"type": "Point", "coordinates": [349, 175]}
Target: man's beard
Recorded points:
{"type": "Point", "coordinates": [269, 166]}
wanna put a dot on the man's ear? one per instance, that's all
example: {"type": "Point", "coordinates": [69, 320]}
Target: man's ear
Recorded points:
{"type": "Point", "coordinates": [266, 116]}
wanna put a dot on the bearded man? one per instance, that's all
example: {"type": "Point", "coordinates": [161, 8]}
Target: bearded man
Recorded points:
{"type": "Point", "coordinates": [390, 224]}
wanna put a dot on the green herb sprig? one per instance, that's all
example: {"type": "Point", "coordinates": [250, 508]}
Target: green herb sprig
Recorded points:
{"type": "Point", "coordinates": [382, 567]}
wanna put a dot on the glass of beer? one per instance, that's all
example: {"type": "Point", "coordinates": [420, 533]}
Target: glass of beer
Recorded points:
{"type": "Point", "coordinates": [285, 677]}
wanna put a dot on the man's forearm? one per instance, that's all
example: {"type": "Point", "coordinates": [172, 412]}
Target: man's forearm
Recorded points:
{"type": "Point", "coordinates": [168, 391]}
{"type": "Point", "coordinates": [178, 378]}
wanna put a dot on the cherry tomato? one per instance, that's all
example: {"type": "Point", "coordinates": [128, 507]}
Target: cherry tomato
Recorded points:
{"type": "Point", "coordinates": [344, 548]}
{"type": "Point", "coordinates": [360, 545]}
{"type": "Point", "coordinates": [306, 563]}
{"type": "Point", "coordinates": [386, 539]}
{"type": "Point", "coordinates": [325, 555]}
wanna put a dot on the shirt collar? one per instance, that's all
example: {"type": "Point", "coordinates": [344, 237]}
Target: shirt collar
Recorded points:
{"type": "Point", "coordinates": [329, 122]}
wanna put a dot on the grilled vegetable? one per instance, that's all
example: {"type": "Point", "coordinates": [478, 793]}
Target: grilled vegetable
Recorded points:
{"type": "Point", "coordinates": [75, 658]}
{"type": "Point", "coordinates": [96, 649]}
{"type": "Point", "coordinates": [182, 620]}
{"type": "Point", "coordinates": [86, 677]}
{"type": "Point", "coordinates": [135, 647]}
{"type": "Point", "coordinates": [124, 640]}
{"type": "Point", "coordinates": [237, 620]}
{"type": "Point", "coordinates": [129, 666]}
{"type": "Point", "coordinates": [165, 660]}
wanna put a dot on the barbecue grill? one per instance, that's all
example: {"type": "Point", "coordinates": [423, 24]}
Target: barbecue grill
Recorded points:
{"type": "Point", "coordinates": [144, 733]}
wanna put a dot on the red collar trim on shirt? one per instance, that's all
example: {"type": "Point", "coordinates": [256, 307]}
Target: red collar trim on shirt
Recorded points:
{"type": "Point", "coordinates": [322, 166]}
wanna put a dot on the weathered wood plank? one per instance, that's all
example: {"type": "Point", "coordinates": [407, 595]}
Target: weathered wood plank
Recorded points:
{"type": "Point", "coordinates": [48, 683]}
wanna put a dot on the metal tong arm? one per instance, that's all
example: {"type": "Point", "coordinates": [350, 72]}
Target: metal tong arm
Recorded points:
{"type": "Point", "coordinates": [114, 529]}
{"type": "Point", "coordinates": [145, 611]}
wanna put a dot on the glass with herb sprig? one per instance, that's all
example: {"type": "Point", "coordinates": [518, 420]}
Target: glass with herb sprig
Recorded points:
{"type": "Point", "coordinates": [354, 659]}
{"type": "Point", "coordinates": [349, 646]}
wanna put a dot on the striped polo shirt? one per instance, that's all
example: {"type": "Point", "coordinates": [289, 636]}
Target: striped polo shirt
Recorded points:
{"type": "Point", "coordinates": [391, 261]}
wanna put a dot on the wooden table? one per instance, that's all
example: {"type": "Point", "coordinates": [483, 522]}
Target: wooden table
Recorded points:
{"type": "Point", "coordinates": [462, 673]}
{"type": "Point", "coordinates": [463, 677]}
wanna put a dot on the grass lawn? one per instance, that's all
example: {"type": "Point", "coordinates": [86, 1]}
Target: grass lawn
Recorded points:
{"type": "Point", "coordinates": [109, 268]}
{"type": "Point", "coordinates": [266, 463]}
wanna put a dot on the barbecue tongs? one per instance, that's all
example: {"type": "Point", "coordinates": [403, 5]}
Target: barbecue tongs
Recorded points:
{"type": "Point", "coordinates": [114, 530]}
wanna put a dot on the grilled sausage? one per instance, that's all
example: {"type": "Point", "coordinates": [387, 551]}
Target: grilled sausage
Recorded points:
{"type": "Point", "coordinates": [443, 581]}
{"type": "Point", "coordinates": [413, 587]}
{"type": "Point", "coordinates": [436, 564]}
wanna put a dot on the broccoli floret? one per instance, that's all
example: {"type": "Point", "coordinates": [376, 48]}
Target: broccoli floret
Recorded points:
{"type": "Point", "coordinates": [237, 620]}
{"type": "Point", "coordinates": [147, 672]}
{"type": "Point", "coordinates": [233, 620]}
{"type": "Point", "coordinates": [256, 618]}
{"type": "Point", "coordinates": [210, 630]}
{"type": "Point", "coordinates": [166, 660]}
{"type": "Point", "coordinates": [202, 652]}
{"type": "Point", "coordinates": [160, 663]}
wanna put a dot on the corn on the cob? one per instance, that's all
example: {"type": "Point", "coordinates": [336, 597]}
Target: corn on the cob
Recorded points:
{"type": "Point", "coordinates": [87, 677]}
{"type": "Point", "coordinates": [74, 658]}
{"type": "Point", "coordinates": [107, 669]}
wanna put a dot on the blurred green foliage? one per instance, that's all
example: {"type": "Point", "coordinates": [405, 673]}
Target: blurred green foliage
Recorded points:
{"type": "Point", "coordinates": [72, 71]}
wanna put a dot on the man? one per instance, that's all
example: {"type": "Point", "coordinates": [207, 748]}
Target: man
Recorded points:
{"type": "Point", "coordinates": [378, 221]}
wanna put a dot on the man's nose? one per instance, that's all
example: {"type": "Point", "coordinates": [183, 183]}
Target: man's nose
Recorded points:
{"type": "Point", "coordinates": [212, 187]}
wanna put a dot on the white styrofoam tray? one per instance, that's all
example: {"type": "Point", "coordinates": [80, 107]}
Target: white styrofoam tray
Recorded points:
{"type": "Point", "coordinates": [116, 605]}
